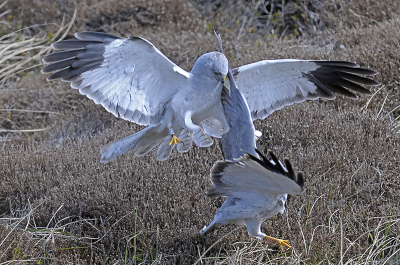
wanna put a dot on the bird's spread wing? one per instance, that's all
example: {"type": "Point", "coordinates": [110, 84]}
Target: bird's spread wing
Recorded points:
{"type": "Point", "coordinates": [249, 174]}
{"type": "Point", "coordinates": [130, 77]}
{"type": "Point", "coordinates": [240, 138]}
{"type": "Point", "coordinates": [270, 85]}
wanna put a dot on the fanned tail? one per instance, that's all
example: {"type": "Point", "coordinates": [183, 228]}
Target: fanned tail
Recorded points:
{"type": "Point", "coordinates": [141, 143]}
{"type": "Point", "coordinates": [147, 139]}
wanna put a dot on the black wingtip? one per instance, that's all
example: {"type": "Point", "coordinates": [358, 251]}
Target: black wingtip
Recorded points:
{"type": "Point", "coordinates": [217, 172]}
{"type": "Point", "coordinates": [341, 77]}
{"type": "Point", "coordinates": [300, 179]}
{"type": "Point", "coordinates": [289, 167]}
{"type": "Point", "coordinates": [250, 156]}
{"type": "Point", "coordinates": [273, 157]}
{"type": "Point", "coordinates": [277, 166]}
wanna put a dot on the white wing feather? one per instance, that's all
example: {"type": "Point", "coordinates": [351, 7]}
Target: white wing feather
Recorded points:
{"type": "Point", "coordinates": [140, 81]}
{"type": "Point", "coordinates": [129, 77]}
{"type": "Point", "coordinates": [249, 176]}
{"type": "Point", "coordinates": [270, 85]}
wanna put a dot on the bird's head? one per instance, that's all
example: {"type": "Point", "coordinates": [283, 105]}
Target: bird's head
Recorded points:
{"type": "Point", "coordinates": [213, 64]}
{"type": "Point", "coordinates": [219, 66]}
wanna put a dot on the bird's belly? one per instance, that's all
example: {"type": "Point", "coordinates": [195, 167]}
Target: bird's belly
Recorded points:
{"type": "Point", "coordinates": [200, 112]}
{"type": "Point", "coordinates": [202, 115]}
{"type": "Point", "coordinates": [208, 108]}
{"type": "Point", "coordinates": [200, 105]}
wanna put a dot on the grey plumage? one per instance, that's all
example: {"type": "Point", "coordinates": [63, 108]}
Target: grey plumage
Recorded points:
{"type": "Point", "coordinates": [273, 165]}
{"type": "Point", "coordinates": [255, 189]}
{"type": "Point", "coordinates": [240, 138]}
{"type": "Point", "coordinates": [270, 85]}
{"type": "Point", "coordinates": [133, 80]}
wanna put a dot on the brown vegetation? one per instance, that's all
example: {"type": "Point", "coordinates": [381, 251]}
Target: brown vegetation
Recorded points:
{"type": "Point", "coordinates": [59, 205]}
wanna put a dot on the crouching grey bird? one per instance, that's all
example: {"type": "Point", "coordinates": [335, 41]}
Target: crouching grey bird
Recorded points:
{"type": "Point", "coordinates": [255, 189]}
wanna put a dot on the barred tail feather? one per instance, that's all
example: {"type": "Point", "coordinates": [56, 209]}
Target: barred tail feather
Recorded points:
{"type": "Point", "coordinates": [141, 143]}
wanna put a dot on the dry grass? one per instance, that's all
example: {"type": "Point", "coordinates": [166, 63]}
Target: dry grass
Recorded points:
{"type": "Point", "coordinates": [22, 52]}
{"type": "Point", "coordinates": [59, 205]}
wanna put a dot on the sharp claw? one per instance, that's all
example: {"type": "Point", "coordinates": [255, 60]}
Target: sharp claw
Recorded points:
{"type": "Point", "coordinates": [284, 242]}
{"type": "Point", "coordinates": [280, 242]}
{"type": "Point", "coordinates": [175, 140]}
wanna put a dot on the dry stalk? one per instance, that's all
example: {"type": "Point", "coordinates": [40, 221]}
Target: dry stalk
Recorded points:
{"type": "Point", "coordinates": [12, 48]}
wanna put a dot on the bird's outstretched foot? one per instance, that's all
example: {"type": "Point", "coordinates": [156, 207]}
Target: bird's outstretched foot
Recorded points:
{"type": "Point", "coordinates": [175, 140]}
{"type": "Point", "coordinates": [281, 242]}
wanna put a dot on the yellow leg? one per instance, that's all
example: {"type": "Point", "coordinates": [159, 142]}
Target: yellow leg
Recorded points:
{"type": "Point", "coordinates": [281, 242]}
{"type": "Point", "coordinates": [175, 140]}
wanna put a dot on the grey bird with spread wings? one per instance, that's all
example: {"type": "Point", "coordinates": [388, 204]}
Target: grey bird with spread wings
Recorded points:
{"type": "Point", "coordinates": [255, 189]}
{"type": "Point", "coordinates": [133, 80]}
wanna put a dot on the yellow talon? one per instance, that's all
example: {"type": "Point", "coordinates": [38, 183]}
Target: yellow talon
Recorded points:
{"type": "Point", "coordinates": [280, 242]}
{"type": "Point", "coordinates": [175, 140]}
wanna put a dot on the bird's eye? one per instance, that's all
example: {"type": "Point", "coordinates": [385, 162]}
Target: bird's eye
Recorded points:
{"type": "Point", "coordinates": [216, 73]}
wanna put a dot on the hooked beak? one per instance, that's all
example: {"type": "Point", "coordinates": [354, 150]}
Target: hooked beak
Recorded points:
{"type": "Point", "coordinates": [223, 79]}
